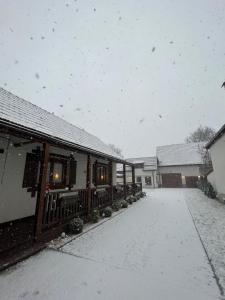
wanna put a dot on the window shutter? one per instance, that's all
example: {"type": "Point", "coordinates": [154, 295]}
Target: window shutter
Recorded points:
{"type": "Point", "coordinates": [94, 173]}
{"type": "Point", "coordinates": [31, 171]}
{"type": "Point", "coordinates": [73, 171]}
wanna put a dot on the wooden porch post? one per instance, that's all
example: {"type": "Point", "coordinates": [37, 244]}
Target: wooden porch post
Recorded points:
{"type": "Point", "coordinates": [124, 182]}
{"type": "Point", "coordinates": [111, 180]}
{"type": "Point", "coordinates": [133, 179]}
{"type": "Point", "coordinates": [41, 191]}
{"type": "Point", "coordinates": [88, 185]}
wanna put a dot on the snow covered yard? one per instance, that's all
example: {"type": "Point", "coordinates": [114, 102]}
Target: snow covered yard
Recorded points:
{"type": "Point", "coordinates": [151, 251]}
{"type": "Point", "coordinates": [209, 218]}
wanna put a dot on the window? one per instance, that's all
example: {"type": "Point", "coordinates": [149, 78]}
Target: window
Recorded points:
{"type": "Point", "coordinates": [148, 180]}
{"type": "Point", "coordinates": [61, 172]}
{"type": "Point", "coordinates": [100, 174]}
{"type": "Point", "coordinates": [138, 179]}
{"type": "Point", "coordinates": [31, 171]}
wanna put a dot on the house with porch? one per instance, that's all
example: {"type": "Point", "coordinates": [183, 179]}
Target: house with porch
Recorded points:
{"type": "Point", "coordinates": [50, 172]}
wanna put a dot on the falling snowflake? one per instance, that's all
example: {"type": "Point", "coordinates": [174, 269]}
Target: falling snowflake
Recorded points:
{"type": "Point", "coordinates": [37, 75]}
{"type": "Point", "coordinates": [153, 49]}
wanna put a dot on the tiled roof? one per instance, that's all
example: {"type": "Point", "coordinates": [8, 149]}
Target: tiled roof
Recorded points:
{"type": "Point", "coordinates": [25, 114]}
{"type": "Point", "coordinates": [180, 154]}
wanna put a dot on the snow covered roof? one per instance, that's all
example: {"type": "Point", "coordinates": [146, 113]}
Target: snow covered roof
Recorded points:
{"type": "Point", "coordinates": [23, 114]}
{"type": "Point", "coordinates": [180, 154]}
{"type": "Point", "coordinates": [150, 163]}
{"type": "Point", "coordinates": [216, 137]}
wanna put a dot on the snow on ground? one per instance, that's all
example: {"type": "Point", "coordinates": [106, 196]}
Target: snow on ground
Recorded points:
{"type": "Point", "coordinates": [151, 251]}
{"type": "Point", "coordinates": [209, 217]}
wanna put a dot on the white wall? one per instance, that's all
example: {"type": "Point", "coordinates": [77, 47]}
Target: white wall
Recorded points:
{"type": "Point", "coordinates": [183, 170]}
{"type": "Point", "coordinates": [143, 174]}
{"type": "Point", "coordinates": [15, 201]}
{"type": "Point", "coordinates": [212, 180]}
{"type": "Point", "coordinates": [217, 152]}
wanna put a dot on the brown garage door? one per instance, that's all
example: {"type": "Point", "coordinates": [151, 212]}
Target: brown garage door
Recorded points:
{"type": "Point", "coordinates": [191, 181]}
{"type": "Point", "coordinates": [171, 180]}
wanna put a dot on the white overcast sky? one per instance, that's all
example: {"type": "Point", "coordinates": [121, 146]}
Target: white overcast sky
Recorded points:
{"type": "Point", "coordinates": [92, 63]}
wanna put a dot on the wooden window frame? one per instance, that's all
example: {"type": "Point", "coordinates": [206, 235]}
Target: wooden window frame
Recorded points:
{"type": "Point", "coordinates": [98, 181]}
{"type": "Point", "coordinates": [138, 177]}
{"type": "Point", "coordinates": [147, 180]}
{"type": "Point", "coordinates": [66, 181]}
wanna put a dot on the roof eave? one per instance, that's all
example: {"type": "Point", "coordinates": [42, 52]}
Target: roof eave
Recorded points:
{"type": "Point", "coordinates": [56, 141]}
{"type": "Point", "coordinates": [216, 137]}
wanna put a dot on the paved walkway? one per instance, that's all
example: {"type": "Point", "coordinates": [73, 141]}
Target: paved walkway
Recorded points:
{"type": "Point", "coordinates": [151, 251]}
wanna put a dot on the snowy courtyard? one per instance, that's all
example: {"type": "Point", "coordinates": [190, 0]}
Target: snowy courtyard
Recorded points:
{"type": "Point", "coordinates": [149, 251]}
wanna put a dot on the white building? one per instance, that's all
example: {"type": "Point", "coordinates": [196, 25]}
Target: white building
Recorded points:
{"type": "Point", "coordinates": [216, 148]}
{"type": "Point", "coordinates": [179, 164]}
{"type": "Point", "coordinates": [145, 171]}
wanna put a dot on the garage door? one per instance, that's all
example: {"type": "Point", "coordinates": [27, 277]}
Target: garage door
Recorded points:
{"type": "Point", "coordinates": [171, 180]}
{"type": "Point", "coordinates": [191, 181]}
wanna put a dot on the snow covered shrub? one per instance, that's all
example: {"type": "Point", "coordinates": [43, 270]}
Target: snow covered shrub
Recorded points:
{"type": "Point", "coordinates": [75, 226]}
{"type": "Point", "coordinates": [130, 200]}
{"type": "Point", "coordinates": [95, 215]}
{"type": "Point", "coordinates": [124, 204]}
{"type": "Point", "coordinates": [135, 198]}
{"type": "Point", "coordinates": [116, 205]}
{"type": "Point", "coordinates": [143, 194]}
{"type": "Point", "coordinates": [210, 192]}
{"type": "Point", "coordinates": [107, 212]}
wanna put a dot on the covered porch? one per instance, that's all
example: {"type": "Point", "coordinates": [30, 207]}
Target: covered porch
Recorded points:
{"type": "Point", "coordinates": [46, 183]}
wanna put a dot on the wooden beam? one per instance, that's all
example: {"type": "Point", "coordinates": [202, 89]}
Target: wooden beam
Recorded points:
{"type": "Point", "coordinates": [42, 191]}
{"type": "Point", "coordinates": [133, 179]}
{"type": "Point", "coordinates": [88, 184]}
{"type": "Point", "coordinates": [111, 180]}
{"type": "Point", "coordinates": [124, 182]}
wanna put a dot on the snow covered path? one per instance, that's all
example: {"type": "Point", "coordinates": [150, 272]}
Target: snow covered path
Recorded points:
{"type": "Point", "coordinates": [151, 251]}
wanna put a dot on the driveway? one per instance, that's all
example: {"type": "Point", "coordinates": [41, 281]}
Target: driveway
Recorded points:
{"type": "Point", "coordinates": [150, 251]}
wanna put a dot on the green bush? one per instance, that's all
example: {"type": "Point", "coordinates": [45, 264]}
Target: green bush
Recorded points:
{"type": "Point", "coordinates": [107, 212]}
{"type": "Point", "coordinates": [124, 204]}
{"type": "Point", "coordinates": [75, 226]}
{"type": "Point", "coordinates": [116, 205]}
{"type": "Point", "coordinates": [95, 215]}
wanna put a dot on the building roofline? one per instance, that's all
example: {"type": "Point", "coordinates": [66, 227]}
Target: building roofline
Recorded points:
{"type": "Point", "coordinates": [43, 137]}
{"type": "Point", "coordinates": [219, 133]}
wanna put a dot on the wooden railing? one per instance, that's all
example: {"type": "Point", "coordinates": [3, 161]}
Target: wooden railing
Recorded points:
{"type": "Point", "coordinates": [118, 192]}
{"type": "Point", "coordinates": [62, 206]}
{"type": "Point", "coordinates": [101, 198]}
{"type": "Point", "coordinates": [137, 188]}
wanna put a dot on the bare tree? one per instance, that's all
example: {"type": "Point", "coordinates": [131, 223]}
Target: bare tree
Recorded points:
{"type": "Point", "coordinates": [116, 149]}
{"type": "Point", "coordinates": [201, 134]}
